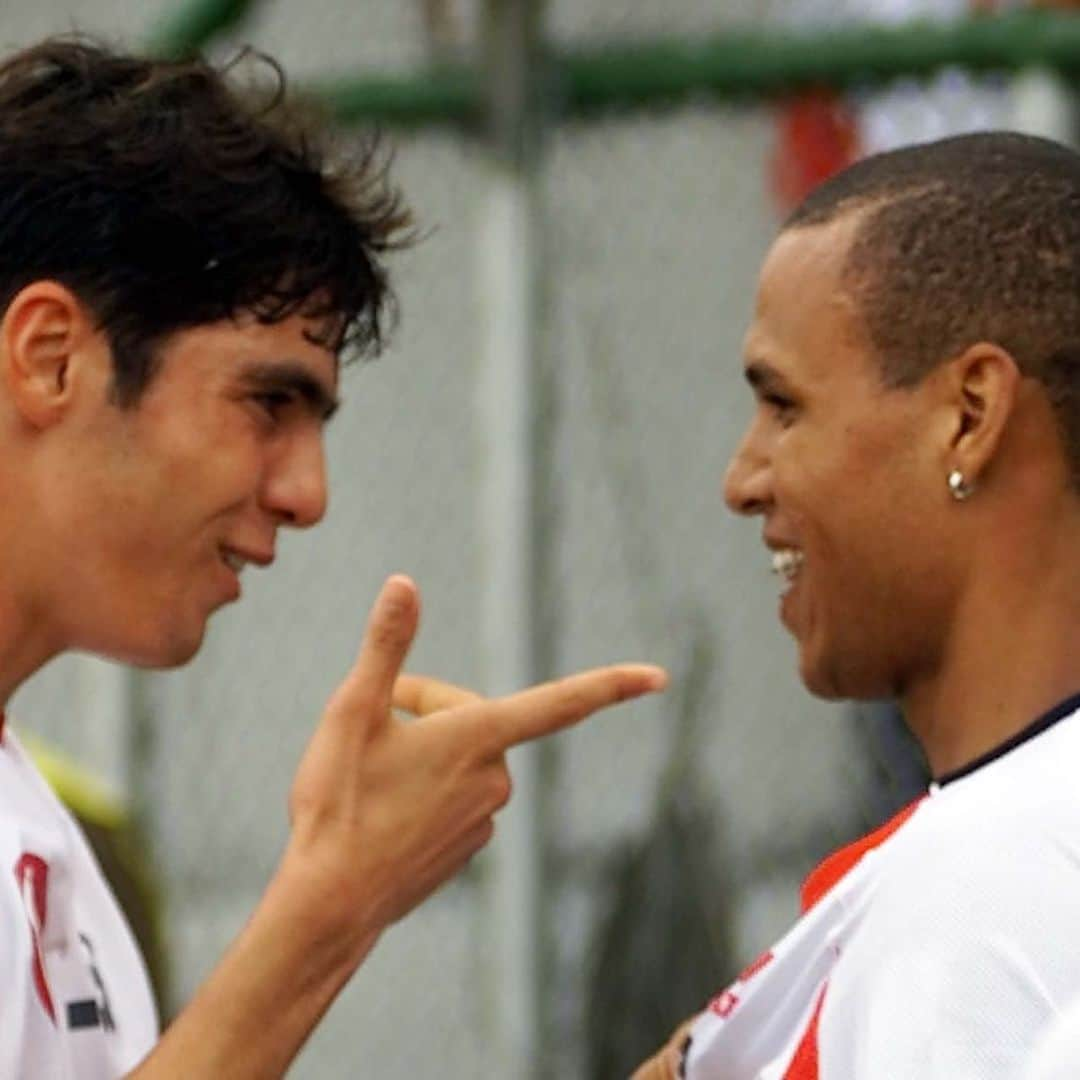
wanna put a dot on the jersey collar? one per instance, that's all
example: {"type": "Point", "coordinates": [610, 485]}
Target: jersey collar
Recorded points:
{"type": "Point", "coordinates": [1036, 727]}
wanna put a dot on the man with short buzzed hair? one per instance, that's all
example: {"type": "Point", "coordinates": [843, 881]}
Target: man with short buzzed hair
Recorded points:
{"type": "Point", "coordinates": [915, 459]}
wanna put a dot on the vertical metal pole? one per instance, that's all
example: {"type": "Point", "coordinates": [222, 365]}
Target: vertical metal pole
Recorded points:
{"type": "Point", "coordinates": [1043, 104]}
{"type": "Point", "coordinates": [508, 383]}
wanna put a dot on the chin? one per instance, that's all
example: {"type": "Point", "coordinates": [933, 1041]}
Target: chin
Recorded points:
{"type": "Point", "coordinates": [179, 650]}
{"type": "Point", "coordinates": [817, 673]}
{"type": "Point", "coordinates": [170, 649]}
{"type": "Point", "coordinates": [174, 657]}
{"type": "Point", "coordinates": [820, 686]}
{"type": "Point", "coordinates": [841, 679]}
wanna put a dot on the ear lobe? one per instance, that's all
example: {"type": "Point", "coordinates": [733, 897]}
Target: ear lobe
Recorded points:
{"type": "Point", "coordinates": [987, 381]}
{"type": "Point", "coordinates": [40, 333]}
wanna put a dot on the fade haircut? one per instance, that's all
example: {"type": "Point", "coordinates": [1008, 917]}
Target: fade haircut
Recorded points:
{"type": "Point", "coordinates": [972, 238]}
{"type": "Point", "coordinates": [165, 199]}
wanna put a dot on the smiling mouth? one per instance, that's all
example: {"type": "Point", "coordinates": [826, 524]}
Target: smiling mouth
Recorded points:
{"type": "Point", "coordinates": [786, 565]}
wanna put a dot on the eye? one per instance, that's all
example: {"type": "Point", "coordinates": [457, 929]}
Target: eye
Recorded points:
{"type": "Point", "coordinates": [274, 402]}
{"type": "Point", "coordinates": [783, 408]}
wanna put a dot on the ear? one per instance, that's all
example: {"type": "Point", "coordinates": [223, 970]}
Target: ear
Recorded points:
{"type": "Point", "coordinates": [42, 334]}
{"type": "Point", "coordinates": [984, 382]}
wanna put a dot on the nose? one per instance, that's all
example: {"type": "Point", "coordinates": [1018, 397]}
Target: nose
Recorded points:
{"type": "Point", "coordinates": [295, 488]}
{"type": "Point", "coordinates": [748, 478]}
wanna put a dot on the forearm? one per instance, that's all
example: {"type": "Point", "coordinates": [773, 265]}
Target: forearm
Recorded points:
{"type": "Point", "coordinates": [258, 1007]}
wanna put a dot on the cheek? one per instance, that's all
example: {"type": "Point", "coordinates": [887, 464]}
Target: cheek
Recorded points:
{"type": "Point", "coordinates": [204, 470]}
{"type": "Point", "coordinates": [853, 552]}
{"type": "Point", "coordinates": [876, 587]}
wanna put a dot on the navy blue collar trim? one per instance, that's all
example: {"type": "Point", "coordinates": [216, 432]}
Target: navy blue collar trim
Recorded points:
{"type": "Point", "coordinates": [1047, 720]}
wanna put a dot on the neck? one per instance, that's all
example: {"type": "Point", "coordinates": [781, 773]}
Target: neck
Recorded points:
{"type": "Point", "coordinates": [23, 646]}
{"type": "Point", "coordinates": [1012, 653]}
{"type": "Point", "coordinates": [28, 636]}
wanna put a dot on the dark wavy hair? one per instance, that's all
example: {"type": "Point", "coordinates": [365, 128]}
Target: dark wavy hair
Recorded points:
{"type": "Point", "coordinates": [971, 238]}
{"type": "Point", "coordinates": [165, 198]}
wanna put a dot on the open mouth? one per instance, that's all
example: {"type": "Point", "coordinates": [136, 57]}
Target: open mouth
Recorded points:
{"type": "Point", "coordinates": [234, 562]}
{"type": "Point", "coordinates": [787, 563]}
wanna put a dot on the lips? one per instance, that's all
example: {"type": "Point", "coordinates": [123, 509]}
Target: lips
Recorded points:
{"type": "Point", "coordinates": [237, 558]}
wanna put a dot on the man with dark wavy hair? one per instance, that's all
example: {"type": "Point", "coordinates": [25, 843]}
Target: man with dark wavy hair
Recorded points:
{"type": "Point", "coordinates": [178, 276]}
{"type": "Point", "coordinates": [914, 456]}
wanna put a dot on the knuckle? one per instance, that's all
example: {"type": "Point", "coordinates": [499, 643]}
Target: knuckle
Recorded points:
{"type": "Point", "coordinates": [502, 787]}
{"type": "Point", "coordinates": [492, 744]}
{"type": "Point", "coordinates": [575, 701]}
{"type": "Point", "coordinates": [482, 733]}
{"type": "Point", "coordinates": [623, 686]}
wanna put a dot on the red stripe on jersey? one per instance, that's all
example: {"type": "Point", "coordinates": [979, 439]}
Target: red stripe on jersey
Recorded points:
{"type": "Point", "coordinates": [804, 1065]}
{"type": "Point", "coordinates": [833, 868]}
{"type": "Point", "coordinates": [32, 874]}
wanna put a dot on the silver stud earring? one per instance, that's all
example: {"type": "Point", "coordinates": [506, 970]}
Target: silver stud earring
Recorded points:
{"type": "Point", "coordinates": [959, 488]}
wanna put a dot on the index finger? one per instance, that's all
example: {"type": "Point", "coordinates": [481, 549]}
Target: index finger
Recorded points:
{"type": "Point", "coordinates": [543, 709]}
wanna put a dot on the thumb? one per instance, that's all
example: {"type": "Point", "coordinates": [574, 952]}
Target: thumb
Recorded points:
{"type": "Point", "coordinates": [422, 695]}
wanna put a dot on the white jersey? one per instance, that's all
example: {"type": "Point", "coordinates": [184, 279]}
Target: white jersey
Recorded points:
{"type": "Point", "coordinates": [1057, 1055]}
{"type": "Point", "coordinates": [938, 948]}
{"type": "Point", "coordinates": [75, 1001]}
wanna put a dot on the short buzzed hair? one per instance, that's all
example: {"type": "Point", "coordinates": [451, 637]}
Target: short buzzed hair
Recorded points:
{"type": "Point", "coordinates": [972, 238]}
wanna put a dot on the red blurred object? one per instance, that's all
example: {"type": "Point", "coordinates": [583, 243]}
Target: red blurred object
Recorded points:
{"type": "Point", "coordinates": [817, 131]}
{"type": "Point", "coordinates": [817, 137]}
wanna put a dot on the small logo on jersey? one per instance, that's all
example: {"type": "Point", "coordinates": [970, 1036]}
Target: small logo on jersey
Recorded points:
{"type": "Point", "coordinates": [763, 961]}
{"type": "Point", "coordinates": [32, 874]}
{"type": "Point", "coordinates": [725, 1004]}
{"type": "Point", "coordinates": [95, 1011]}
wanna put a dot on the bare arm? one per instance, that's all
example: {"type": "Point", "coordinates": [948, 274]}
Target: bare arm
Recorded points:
{"type": "Point", "coordinates": [383, 812]}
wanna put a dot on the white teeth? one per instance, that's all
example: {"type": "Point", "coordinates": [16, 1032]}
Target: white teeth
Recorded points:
{"type": "Point", "coordinates": [233, 561]}
{"type": "Point", "coordinates": [786, 563]}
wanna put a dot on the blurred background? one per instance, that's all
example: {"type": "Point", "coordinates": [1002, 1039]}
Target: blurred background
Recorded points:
{"type": "Point", "coordinates": [542, 448]}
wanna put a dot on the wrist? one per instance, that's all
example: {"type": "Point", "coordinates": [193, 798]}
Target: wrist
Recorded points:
{"type": "Point", "coordinates": [318, 909]}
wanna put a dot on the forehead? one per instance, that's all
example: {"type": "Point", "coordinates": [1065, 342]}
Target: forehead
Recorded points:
{"type": "Point", "coordinates": [806, 321]}
{"type": "Point", "coordinates": [220, 351]}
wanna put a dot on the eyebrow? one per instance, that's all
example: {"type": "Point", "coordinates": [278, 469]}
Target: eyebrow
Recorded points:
{"type": "Point", "coordinates": [290, 376]}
